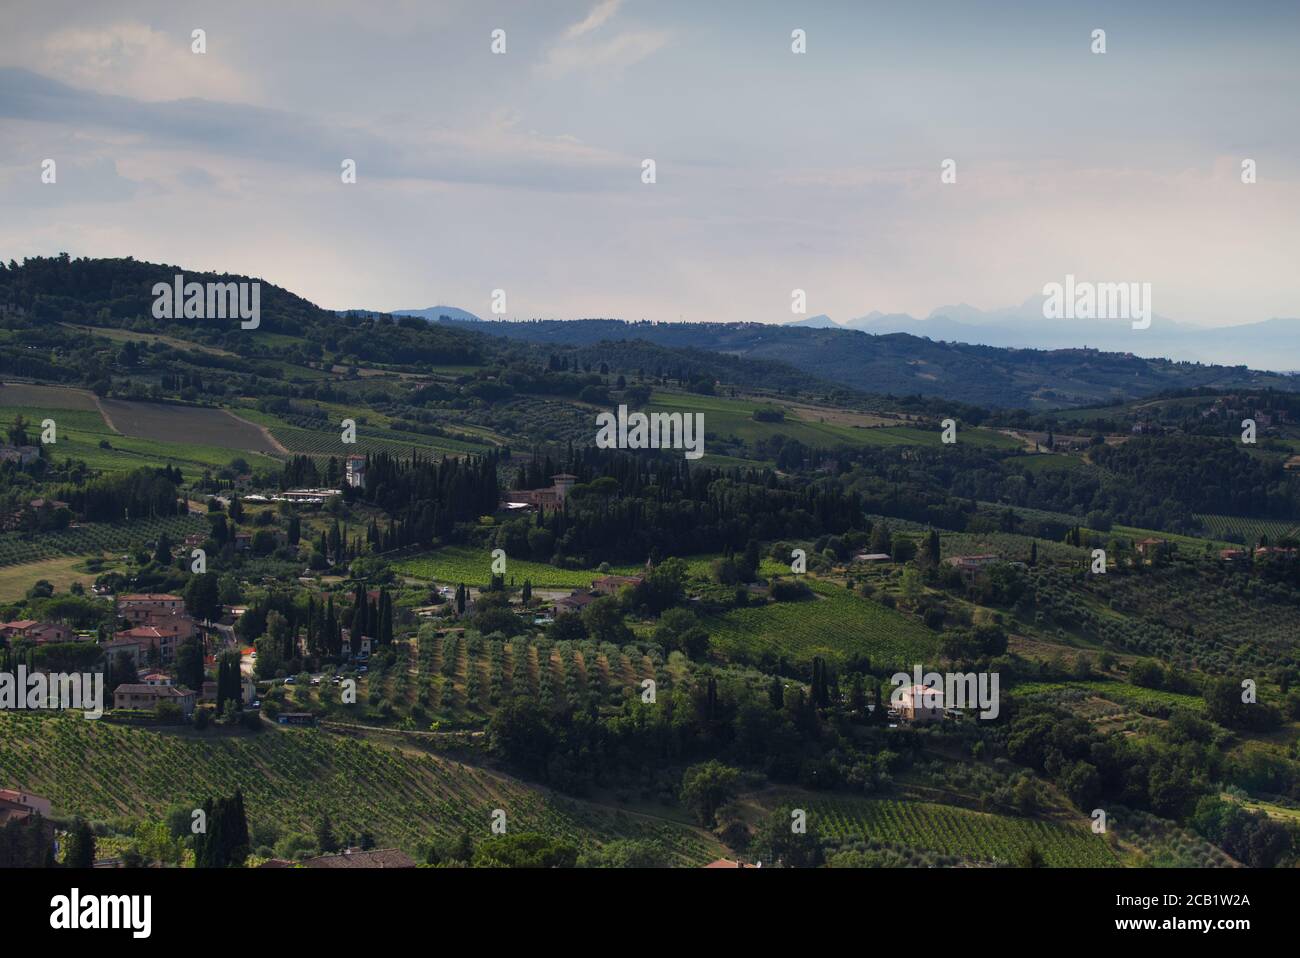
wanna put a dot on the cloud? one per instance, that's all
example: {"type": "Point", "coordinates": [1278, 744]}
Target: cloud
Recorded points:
{"type": "Point", "coordinates": [133, 59]}
{"type": "Point", "coordinates": [494, 153]}
{"type": "Point", "coordinates": [599, 14]}
{"type": "Point", "coordinates": [579, 50]}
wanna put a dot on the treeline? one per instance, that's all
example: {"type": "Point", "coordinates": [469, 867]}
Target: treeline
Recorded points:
{"type": "Point", "coordinates": [626, 508]}
{"type": "Point", "coordinates": [144, 493]}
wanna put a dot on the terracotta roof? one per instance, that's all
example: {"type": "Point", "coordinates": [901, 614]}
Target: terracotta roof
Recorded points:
{"type": "Point", "coordinates": [379, 858]}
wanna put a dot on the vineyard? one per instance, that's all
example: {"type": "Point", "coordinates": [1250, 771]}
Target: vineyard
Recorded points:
{"type": "Point", "coordinates": [1249, 531]}
{"type": "Point", "coordinates": [291, 777]}
{"type": "Point", "coordinates": [95, 538]}
{"type": "Point", "coordinates": [949, 830]}
{"type": "Point", "coordinates": [835, 624]}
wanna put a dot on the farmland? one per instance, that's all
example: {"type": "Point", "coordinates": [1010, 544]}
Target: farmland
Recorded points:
{"type": "Point", "coordinates": [184, 424]}
{"type": "Point", "coordinates": [1248, 531]}
{"type": "Point", "coordinates": [290, 777]}
{"type": "Point", "coordinates": [734, 418]}
{"type": "Point", "coordinates": [15, 580]}
{"type": "Point", "coordinates": [835, 624]}
{"type": "Point", "coordinates": [35, 396]}
{"type": "Point", "coordinates": [82, 434]}
{"type": "Point", "coordinates": [949, 830]}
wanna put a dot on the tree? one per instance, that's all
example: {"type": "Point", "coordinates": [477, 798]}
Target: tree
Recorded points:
{"type": "Point", "coordinates": [776, 692]}
{"type": "Point", "coordinates": [777, 842]}
{"type": "Point", "coordinates": [203, 596]}
{"type": "Point", "coordinates": [708, 786]}
{"type": "Point", "coordinates": [325, 839]}
{"type": "Point", "coordinates": [228, 679]}
{"type": "Point", "coordinates": [81, 845]}
{"type": "Point", "coordinates": [189, 664]}
{"type": "Point", "coordinates": [604, 621]}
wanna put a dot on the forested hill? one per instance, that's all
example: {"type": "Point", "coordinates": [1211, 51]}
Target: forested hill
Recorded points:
{"type": "Point", "coordinates": [901, 364]}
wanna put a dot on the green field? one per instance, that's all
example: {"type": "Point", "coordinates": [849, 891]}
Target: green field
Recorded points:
{"type": "Point", "coordinates": [835, 624]}
{"type": "Point", "coordinates": [473, 567]}
{"type": "Point", "coordinates": [290, 777]}
{"type": "Point", "coordinates": [734, 418]}
{"type": "Point", "coordinates": [80, 433]}
{"type": "Point", "coordinates": [370, 438]}
{"type": "Point", "coordinates": [949, 830]}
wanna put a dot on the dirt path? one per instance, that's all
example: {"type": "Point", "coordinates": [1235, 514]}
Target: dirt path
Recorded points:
{"type": "Point", "coordinates": [107, 418]}
{"type": "Point", "coordinates": [266, 433]}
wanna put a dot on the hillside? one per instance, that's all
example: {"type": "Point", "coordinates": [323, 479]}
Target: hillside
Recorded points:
{"type": "Point", "coordinates": [902, 364]}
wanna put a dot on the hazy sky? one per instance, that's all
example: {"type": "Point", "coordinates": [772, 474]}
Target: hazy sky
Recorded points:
{"type": "Point", "coordinates": [522, 171]}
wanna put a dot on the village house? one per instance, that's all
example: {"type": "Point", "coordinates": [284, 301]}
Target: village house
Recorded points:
{"type": "Point", "coordinates": [136, 650]}
{"type": "Point", "coordinates": [45, 633]}
{"type": "Point", "coordinates": [18, 806]}
{"type": "Point", "coordinates": [573, 603]}
{"type": "Point", "coordinates": [149, 697]}
{"type": "Point", "coordinates": [165, 638]}
{"type": "Point", "coordinates": [16, 629]}
{"type": "Point", "coordinates": [552, 497]}
{"type": "Point", "coordinates": [136, 603]}
{"type": "Point", "coordinates": [42, 633]}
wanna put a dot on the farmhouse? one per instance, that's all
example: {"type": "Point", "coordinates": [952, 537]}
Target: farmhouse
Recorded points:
{"type": "Point", "coordinates": [1150, 546]}
{"type": "Point", "coordinates": [573, 603]}
{"type": "Point", "coordinates": [19, 454]}
{"type": "Point", "coordinates": [551, 497]}
{"type": "Point", "coordinates": [149, 697]}
{"type": "Point", "coordinates": [919, 704]}
{"type": "Point", "coordinates": [610, 584]}
{"type": "Point", "coordinates": [873, 557]}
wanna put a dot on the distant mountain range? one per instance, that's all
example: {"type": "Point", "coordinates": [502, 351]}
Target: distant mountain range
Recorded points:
{"type": "Point", "coordinates": [1272, 344]}
{"type": "Point", "coordinates": [435, 314]}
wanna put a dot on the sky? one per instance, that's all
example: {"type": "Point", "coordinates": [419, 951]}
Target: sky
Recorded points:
{"type": "Point", "coordinates": [774, 171]}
